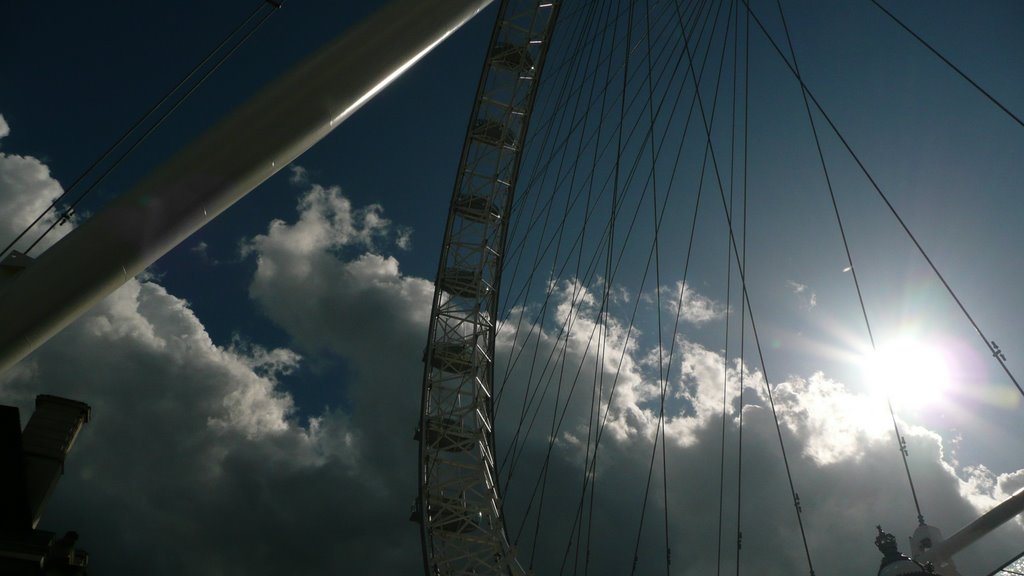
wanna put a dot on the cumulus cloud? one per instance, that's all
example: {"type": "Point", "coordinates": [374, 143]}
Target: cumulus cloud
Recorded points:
{"type": "Point", "coordinates": [195, 446]}
{"type": "Point", "coordinates": [696, 308]}
{"type": "Point", "coordinates": [840, 446]}
{"type": "Point", "coordinates": [581, 372]}
{"type": "Point", "coordinates": [26, 190]}
{"type": "Point", "coordinates": [196, 462]}
{"type": "Point", "coordinates": [327, 222]}
{"type": "Point", "coordinates": [845, 466]}
{"type": "Point", "coordinates": [336, 303]}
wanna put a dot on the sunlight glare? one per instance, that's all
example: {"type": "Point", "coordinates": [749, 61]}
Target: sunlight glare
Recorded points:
{"type": "Point", "coordinates": [912, 372]}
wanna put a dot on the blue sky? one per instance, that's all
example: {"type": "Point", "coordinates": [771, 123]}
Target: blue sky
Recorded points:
{"type": "Point", "coordinates": [281, 360]}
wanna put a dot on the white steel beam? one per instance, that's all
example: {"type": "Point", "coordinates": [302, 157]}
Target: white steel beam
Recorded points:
{"type": "Point", "coordinates": [987, 522]}
{"type": "Point", "coordinates": [262, 136]}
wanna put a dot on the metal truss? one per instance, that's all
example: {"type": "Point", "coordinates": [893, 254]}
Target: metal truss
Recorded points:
{"type": "Point", "coordinates": [459, 504]}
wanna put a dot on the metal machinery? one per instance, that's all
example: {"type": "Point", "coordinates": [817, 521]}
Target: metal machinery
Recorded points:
{"type": "Point", "coordinates": [459, 505]}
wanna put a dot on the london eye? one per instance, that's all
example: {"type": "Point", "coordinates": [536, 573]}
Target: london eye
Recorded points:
{"type": "Point", "coordinates": [722, 287]}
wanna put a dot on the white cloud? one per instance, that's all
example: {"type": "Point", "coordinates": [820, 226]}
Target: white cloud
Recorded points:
{"type": "Point", "coordinates": [196, 444]}
{"type": "Point", "coordinates": [840, 446]}
{"type": "Point", "coordinates": [26, 190]}
{"type": "Point", "coordinates": [299, 175]}
{"type": "Point", "coordinates": [696, 308]}
{"type": "Point", "coordinates": [845, 464]}
{"type": "Point", "coordinates": [195, 461]}
{"type": "Point", "coordinates": [808, 299]}
{"type": "Point", "coordinates": [845, 467]}
{"type": "Point", "coordinates": [202, 250]}
{"type": "Point", "coordinates": [404, 239]}
{"type": "Point", "coordinates": [328, 303]}
{"type": "Point", "coordinates": [327, 222]}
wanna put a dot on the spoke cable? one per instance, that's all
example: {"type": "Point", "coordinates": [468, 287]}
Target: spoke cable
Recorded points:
{"type": "Point", "coordinates": [728, 298]}
{"type": "Point", "coordinates": [66, 213]}
{"type": "Point", "coordinates": [590, 342]}
{"type": "Point", "coordinates": [679, 304]}
{"type": "Point", "coordinates": [743, 302]}
{"type": "Point", "coordinates": [900, 443]}
{"type": "Point", "coordinates": [997, 354]}
{"type": "Point", "coordinates": [771, 399]}
{"type": "Point", "coordinates": [954, 67]}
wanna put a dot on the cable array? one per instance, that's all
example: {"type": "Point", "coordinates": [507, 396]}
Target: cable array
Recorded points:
{"type": "Point", "coordinates": [135, 135]}
{"type": "Point", "coordinates": [642, 103]}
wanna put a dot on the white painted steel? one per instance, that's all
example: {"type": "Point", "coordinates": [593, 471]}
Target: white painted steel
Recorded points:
{"type": "Point", "coordinates": [273, 128]}
{"type": "Point", "coordinates": [987, 522]}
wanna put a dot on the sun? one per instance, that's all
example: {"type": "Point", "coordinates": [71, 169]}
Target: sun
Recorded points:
{"type": "Point", "coordinates": [909, 370]}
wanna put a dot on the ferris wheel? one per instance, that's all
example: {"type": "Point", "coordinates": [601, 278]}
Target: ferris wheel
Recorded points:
{"type": "Point", "coordinates": [642, 130]}
{"type": "Point", "coordinates": [553, 211]}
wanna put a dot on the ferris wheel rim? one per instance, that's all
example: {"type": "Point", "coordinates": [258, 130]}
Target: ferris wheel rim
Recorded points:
{"type": "Point", "coordinates": [461, 339]}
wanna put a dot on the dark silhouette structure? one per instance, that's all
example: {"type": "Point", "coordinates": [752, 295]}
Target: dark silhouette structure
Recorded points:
{"type": "Point", "coordinates": [894, 563]}
{"type": "Point", "coordinates": [31, 464]}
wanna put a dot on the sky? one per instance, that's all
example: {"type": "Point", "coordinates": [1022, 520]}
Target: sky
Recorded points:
{"type": "Point", "coordinates": [255, 392]}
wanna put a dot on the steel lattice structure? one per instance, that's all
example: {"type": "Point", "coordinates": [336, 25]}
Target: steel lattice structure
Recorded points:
{"type": "Point", "coordinates": [459, 506]}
